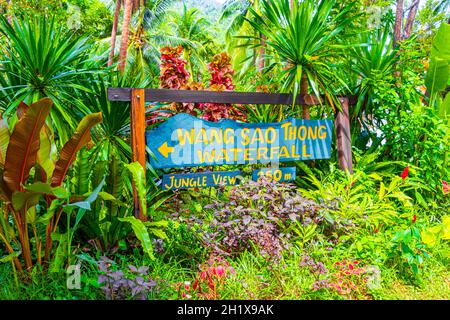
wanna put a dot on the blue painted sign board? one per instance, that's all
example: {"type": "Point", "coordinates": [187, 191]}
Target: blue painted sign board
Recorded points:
{"type": "Point", "coordinates": [186, 141]}
{"type": "Point", "coordinates": [200, 180]}
{"type": "Point", "coordinates": [277, 174]}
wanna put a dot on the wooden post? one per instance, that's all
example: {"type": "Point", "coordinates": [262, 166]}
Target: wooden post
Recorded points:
{"type": "Point", "coordinates": [343, 137]}
{"type": "Point", "coordinates": [138, 126]}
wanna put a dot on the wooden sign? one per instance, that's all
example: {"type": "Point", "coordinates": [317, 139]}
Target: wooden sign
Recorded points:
{"type": "Point", "coordinates": [311, 141]}
{"type": "Point", "coordinates": [277, 174]}
{"type": "Point", "coordinates": [200, 180]}
{"type": "Point", "coordinates": [186, 141]}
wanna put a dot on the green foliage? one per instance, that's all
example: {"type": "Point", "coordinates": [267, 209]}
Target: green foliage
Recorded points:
{"type": "Point", "coordinates": [421, 138]}
{"type": "Point", "coordinates": [70, 200]}
{"type": "Point", "coordinates": [304, 42]}
{"type": "Point", "coordinates": [438, 76]}
{"type": "Point", "coordinates": [409, 250]}
{"type": "Point", "coordinates": [41, 60]}
{"type": "Point", "coordinates": [25, 200]}
{"type": "Point", "coordinates": [373, 62]}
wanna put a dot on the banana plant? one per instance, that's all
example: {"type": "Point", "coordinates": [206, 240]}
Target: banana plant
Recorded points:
{"type": "Point", "coordinates": [25, 183]}
{"type": "Point", "coordinates": [438, 75]}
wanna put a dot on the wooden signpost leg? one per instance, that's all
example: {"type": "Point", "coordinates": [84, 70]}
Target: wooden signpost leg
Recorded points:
{"type": "Point", "coordinates": [343, 137]}
{"type": "Point", "coordinates": [138, 126]}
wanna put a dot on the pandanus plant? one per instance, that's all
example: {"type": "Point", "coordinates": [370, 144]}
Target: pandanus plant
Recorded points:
{"type": "Point", "coordinates": [305, 39]}
{"type": "Point", "coordinates": [30, 181]}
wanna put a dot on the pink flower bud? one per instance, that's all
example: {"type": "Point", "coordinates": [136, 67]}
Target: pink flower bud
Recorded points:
{"type": "Point", "coordinates": [220, 271]}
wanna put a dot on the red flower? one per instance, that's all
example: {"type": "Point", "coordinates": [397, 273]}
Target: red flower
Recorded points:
{"type": "Point", "coordinates": [445, 187]}
{"type": "Point", "coordinates": [405, 173]}
{"type": "Point", "coordinates": [194, 286]}
{"type": "Point", "coordinates": [414, 219]}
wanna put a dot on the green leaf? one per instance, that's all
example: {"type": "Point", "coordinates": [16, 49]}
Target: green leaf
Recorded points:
{"type": "Point", "coordinates": [61, 252]}
{"type": "Point", "coordinates": [10, 257]}
{"type": "Point", "coordinates": [25, 199]}
{"type": "Point", "coordinates": [439, 70]}
{"type": "Point", "coordinates": [78, 140]}
{"type": "Point", "coordinates": [106, 196]}
{"type": "Point", "coordinates": [44, 219]}
{"type": "Point", "coordinates": [141, 233]}
{"type": "Point", "coordinates": [86, 204]}
{"type": "Point", "coordinates": [158, 233]}
{"type": "Point", "coordinates": [138, 175]}
{"type": "Point", "coordinates": [46, 188]}
{"type": "Point", "coordinates": [437, 75]}
{"type": "Point", "coordinates": [4, 139]}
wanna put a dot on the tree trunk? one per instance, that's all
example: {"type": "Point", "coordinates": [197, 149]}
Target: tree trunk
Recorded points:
{"type": "Point", "coordinates": [303, 92]}
{"type": "Point", "coordinates": [410, 20]}
{"type": "Point", "coordinates": [114, 32]}
{"type": "Point", "coordinates": [125, 33]}
{"type": "Point", "coordinates": [262, 53]}
{"type": "Point", "coordinates": [398, 22]}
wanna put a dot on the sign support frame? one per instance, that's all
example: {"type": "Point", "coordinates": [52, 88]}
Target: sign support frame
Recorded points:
{"type": "Point", "coordinates": [138, 97]}
{"type": "Point", "coordinates": [138, 126]}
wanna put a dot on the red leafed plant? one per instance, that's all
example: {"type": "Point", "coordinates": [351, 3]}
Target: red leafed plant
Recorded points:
{"type": "Point", "coordinates": [349, 279]}
{"type": "Point", "coordinates": [221, 80]}
{"type": "Point", "coordinates": [175, 76]}
{"type": "Point", "coordinates": [221, 72]}
{"type": "Point", "coordinates": [209, 280]}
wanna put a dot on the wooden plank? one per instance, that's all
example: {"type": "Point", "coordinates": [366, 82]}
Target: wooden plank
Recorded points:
{"type": "Point", "coordinates": [224, 142]}
{"type": "Point", "coordinates": [138, 126]}
{"type": "Point", "coordinates": [343, 137]}
{"type": "Point", "coordinates": [186, 96]}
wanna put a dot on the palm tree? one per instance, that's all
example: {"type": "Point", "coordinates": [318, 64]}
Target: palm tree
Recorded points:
{"type": "Point", "coordinates": [242, 49]}
{"type": "Point", "coordinates": [398, 22]}
{"type": "Point", "coordinates": [193, 28]}
{"type": "Point", "coordinates": [124, 37]}
{"type": "Point", "coordinates": [149, 31]}
{"type": "Point", "coordinates": [114, 31]}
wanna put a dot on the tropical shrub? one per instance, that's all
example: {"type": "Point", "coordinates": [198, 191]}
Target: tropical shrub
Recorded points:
{"type": "Point", "coordinates": [120, 285]}
{"type": "Point", "coordinates": [421, 138]}
{"type": "Point", "coordinates": [259, 215]}
{"type": "Point", "coordinates": [39, 59]}
{"type": "Point", "coordinates": [347, 278]}
{"type": "Point", "coordinates": [31, 182]}
{"type": "Point", "coordinates": [209, 280]}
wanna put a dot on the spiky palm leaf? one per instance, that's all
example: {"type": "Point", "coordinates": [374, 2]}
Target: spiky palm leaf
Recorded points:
{"type": "Point", "coordinates": [41, 60]}
{"type": "Point", "coordinates": [305, 39]}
